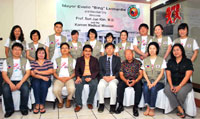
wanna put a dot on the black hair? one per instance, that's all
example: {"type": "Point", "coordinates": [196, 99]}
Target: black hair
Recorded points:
{"type": "Point", "coordinates": [92, 31]}
{"type": "Point", "coordinates": [74, 32]}
{"type": "Point", "coordinates": [58, 22]}
{"type": "Point", "coordinates": [87, 46]}
{"type": "Point", "coordinates": [17, 45]}
{"type": "Point", "coordinates": [108, 35]}
{"type": "Point", "coordinates": [40, 49]}
{"type": "Point", "coordinates": [183, 26]}
{"type": "Point", "coordinates": [156, 45]}
{"type": "Point", "coordinates": [109, 44]}
{"type": "Point", "coordinates": [12, 35]}
{"type": "Point", "coordinates": [143, 25]}
{"type": "Point", "coordinates": [33, 32]}
{"type": "Point", "coordinates": [125, 31]}
{"type": "Point", "coordinates": [159, 26]}
{"type": "Point", "coordinates": [64, 44]}
{"type": "Point", "coordinates": [182, 50]}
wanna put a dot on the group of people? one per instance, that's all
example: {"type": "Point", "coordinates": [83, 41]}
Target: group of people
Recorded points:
{"type": "Point", "coordinates": [141, 65]}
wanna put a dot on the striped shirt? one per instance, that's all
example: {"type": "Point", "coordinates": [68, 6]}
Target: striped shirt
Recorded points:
{"type": "Point", "coordinates": [46, 66]}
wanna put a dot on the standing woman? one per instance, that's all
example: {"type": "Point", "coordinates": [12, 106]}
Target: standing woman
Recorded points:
{"type": "Point", "coordinates": [179, 70]}
{"type": "Point", "coordinates": [190, 45]}
{"type": "Point", "coordinates": [121, 47]}
{"type": "Point", "coordinates": [41, 72]}
{"type": "Point", "coordinates": [164, 42]}
{"type": "Point", "coordinates": [16, 35]}
{"type": "Point", "coordinates": [153, 70]}
{"type": "Point", "coordinates": [33, 46]}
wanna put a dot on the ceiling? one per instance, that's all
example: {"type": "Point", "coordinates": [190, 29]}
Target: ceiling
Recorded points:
{"type": "Point", "coordinates": [139, 1]}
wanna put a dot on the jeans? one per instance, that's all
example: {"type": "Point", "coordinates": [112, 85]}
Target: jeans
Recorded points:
{"type": "Point", "coordinates": [40, 89]}
{"type": "Point", "coordinates": [8, 100]}
{"type": "Point", "coordinates": [79, 88]}
{"type": "Point", "coordinates": [150, 95]}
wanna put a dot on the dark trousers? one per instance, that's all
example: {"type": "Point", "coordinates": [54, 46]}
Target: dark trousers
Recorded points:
{"type": "Point", "coordinates": [150, 95]}
{"type": "Point", "coordinates": [40, 89]}
{"type": "Point", "coordinates": [121, 88]}
{"type": "Point", "coordinates": [79, 88]}
{"type": "Point", "coordinates": [8, 100]}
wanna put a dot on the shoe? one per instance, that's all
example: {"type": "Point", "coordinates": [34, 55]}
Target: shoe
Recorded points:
{"type": "Point", "coordinates": [135, 111]}
{"type": "Point", "coordinates": [8, 114]}
{"type": "Point", "coordinates": [60, 105]}
{"type": "Point", "coordinates": [101, 108]}
{"type": "Point", "coordinates": [112, 109]}
{"type": "Point", "coordinates": [119, 109]}
{"type": "Point", "coordinates": [24, 112]}
{"type": "Point", "coordinates": [89, 106]}
{"type": "Point", "coordinates": [78, 108]}
{"type": "Point", "coordinates": [68, 104]}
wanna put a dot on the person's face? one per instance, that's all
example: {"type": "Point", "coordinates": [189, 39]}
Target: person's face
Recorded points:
{"type": "Point", "coordinates": [110, 50]}
{"type": "Point", "coordinates": [177, 52]}
{"type": "Point", "coordinates": [64, 50]}
{"type": "Point", "coordinates": [129, 55]}
{"type": "Point", "coordinates": [92, 36]}
{"type": "Point", "coordinates": [183, 32]}
{"type": "Point", "coordinates": [123, 36]}
{"type": "Point", "coordinates": [41, 54]}
{"type": "Point", "coordinates": [143, 31]}
{"type": "Point", "coordinates": [17, 32]}
{"type": "Point", "coordinates": [87, 52]}
{"type": "Point", "coordinates": [75, 37]}
{"type": "Point", "coordinates": [152, 50]}
{"type": "Point", "coordinates": [109, 39]}
{"type": "Point", "coordinates": [158, 31]}
{"type": "Point", "coordinates": [17, 52]}
{"type": "Point", "coordinates": [58, 28]}
{"type": "Point", "coordinates": [35, 37]}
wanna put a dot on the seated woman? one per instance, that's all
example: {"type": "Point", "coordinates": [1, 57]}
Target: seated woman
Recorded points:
{"type": "Point", "coordinates": [153, 70]}
{"type": "Point", "coordinates": [41, 72]}
{"type": "Point", "coordinates": [179, 70]}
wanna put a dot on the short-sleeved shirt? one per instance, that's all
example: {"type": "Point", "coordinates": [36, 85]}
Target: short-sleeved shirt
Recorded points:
{"type": "Point", "coordinates": [8, 43]}
{"type": "Point", "coordinates": [178, 70]}
{"type": "Point", "coordinates": [195, 44]}
{"type": "Point", "coordinates": [131, 70]}
{"type": "Point", "coordinates": [46, 66]}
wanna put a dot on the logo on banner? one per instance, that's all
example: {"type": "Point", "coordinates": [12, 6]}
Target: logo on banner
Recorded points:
{"type": "Point", "coordinates": [173, 14]}
{"type": "Point", "coordinates": [133, 12]}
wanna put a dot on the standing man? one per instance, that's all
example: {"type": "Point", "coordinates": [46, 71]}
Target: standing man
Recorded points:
{"type": "Point", "coordinates": [131, 75]}
{"type": "Point", "coordinates": [53, 42]}
{"type": "Point", "coordinates": [141, 42]}
{"type": "Point", "coordinates": [86, 71]}
{"type": "Point", "coordinates": [15, 72]}
{"type": "Point", "coordinates": [109, 76]}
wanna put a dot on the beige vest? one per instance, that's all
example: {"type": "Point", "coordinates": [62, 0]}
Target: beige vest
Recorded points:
{"type": "Point", "coordinates": [121, 50]}
{"type": "Point", "coordinates": [10, 48]}
{"type": "Point", "coordinates": [52, 44]}
{"type": "Point", "coordinates": [70, 65]}
{"type": "Point", "coordinates": [139, 40]}
{"type": "Point", "coordinates": [75, 52]}
{"type": "Point", "coordinates": [188, 46]}
{"type": "Point", "coordinates": [33, 50]}
{"type": "Point", "coordinates": [96, 49]}
{"type": "Point", "coordinates": [153, 72]}
{"type": "Point", "coordinates": [163, 46]}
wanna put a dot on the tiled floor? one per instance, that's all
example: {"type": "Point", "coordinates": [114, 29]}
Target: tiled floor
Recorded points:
{"type": "Point", "coordinates": [85, 113]}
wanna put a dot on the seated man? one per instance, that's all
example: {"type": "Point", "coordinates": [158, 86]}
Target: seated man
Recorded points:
{"type": "Point", "coordinates": [131, 75]}
{"type": "Point", "coordinates": [86, 71]}
{"type": "Point", "coordinates": [15, 72]}
{"type": "Point", "coordinates": [64, 73]}
{"type": "Point", "coordinates": [109, 65]}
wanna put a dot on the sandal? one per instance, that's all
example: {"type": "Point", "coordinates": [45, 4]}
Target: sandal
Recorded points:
{"type": "Point", "coordinates": [42, 111]}
{"type": "Point", "coordinates": [36, 110]}
{"type": "Point", "coordinates": [182, 115]}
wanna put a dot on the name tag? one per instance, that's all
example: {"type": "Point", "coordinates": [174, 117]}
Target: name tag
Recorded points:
{"type": "Point", "coordinates": [158, 66]}
{"type": "Point", "coordinates": [189, 45]}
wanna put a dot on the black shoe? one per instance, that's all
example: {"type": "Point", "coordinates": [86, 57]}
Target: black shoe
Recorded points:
{"type": "Point", "coordinates": [101, 108]}
{"type": "Point", "coordinates": [119, 109]}
{"type": "Point", "coordinates": [8, 114]}
{"type": "Point", "coordinates": [135, 111]}
{"type": "Point", "coordinates": [112, 109]}
{"type": "Point", "coordinates": [24, 112]}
